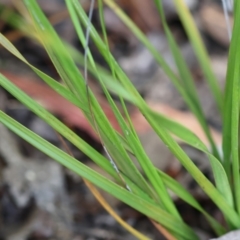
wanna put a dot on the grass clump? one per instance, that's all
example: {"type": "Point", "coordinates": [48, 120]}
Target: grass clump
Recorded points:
{"type": "Point", "coordinates": [147, 190]}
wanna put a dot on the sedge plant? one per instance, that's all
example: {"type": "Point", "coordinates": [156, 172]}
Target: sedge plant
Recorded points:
{"type": "Point", "coordinates": [146, 190]}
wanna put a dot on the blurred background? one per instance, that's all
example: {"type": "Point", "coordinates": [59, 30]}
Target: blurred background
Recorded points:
{"type": "Point", "coordinates": [41, 200]}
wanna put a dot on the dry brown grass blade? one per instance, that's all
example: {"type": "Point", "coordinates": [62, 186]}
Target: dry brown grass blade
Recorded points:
{"type": "Point", "coordinates": [163, 230]}
{"type": "Point", "coordinates": [103, 202]}
{"type": "Point", "coordinates": [109, 209]}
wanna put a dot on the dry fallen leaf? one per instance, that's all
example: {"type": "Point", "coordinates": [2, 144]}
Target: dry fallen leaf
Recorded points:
{"type": "Point", "coordinates": [138, 10]}
{"type": "Point", "coordinates": [214, 23]}
{"type": "Point", "coordinates": [185, 118]}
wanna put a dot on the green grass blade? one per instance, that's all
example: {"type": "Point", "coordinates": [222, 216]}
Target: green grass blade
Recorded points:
{"type": "Point", "coordinates": [221, 179]}
{"type": "Point", "coordinates": [182, 193]}
{"type": "Point", "coordinates": [62, 90]}
{"type": "Point", "coordinates": [232, 97]}
{"type": "Point", "coordinates": [203, 182]}
{"type": "Point", "coordinates": [219, 175]}
{"type": "Point", "coordinates": [67, 133]}
{"type": "Point", "coordinates": [121, 76]}
{"type": "Point", "coordinates": [175, 128]}
{"type": "Point", "coordinates": [186, 135]}
{"type": "Point", "coordinates": [55, 124]}
{"type": "Point", "coordinates": [116, 143]}
{"type": "Point", "coordinates": [130, 90]}
{"type": "Point", "coordinates": [13, 19]}
{"type": "Point", "coordinates": [51, 82]}
{"type": "Point", "coordinates": [56, 50]}
{"type": "Point", "coordinates": [183, 133]}
{"type": "Point", "coordinates": [74, 80]}
{"type": "Point", "coordinates": [200, 51]}
{"type": "Point", "coordinates": [131, 199]}
{"type": "Point", "coordinates": [58, 126]}
{"type": "Point", "coordinates": [145, 162]}
{"type": "Point", "coordinates": [140, 154]}
{"type": "Point", "coordinates": [188, 98]}
{"type": "Point", "coordinates": [178, 130]}
{"type": "Point", "coordinates": [186, 79]}
{"type": "Point", "coordinates": [104, 32]}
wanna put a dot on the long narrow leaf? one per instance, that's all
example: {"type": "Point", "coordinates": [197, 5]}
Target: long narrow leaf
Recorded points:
{"type": "Point", "coordinates": [74, 80]}
{"type": "Point", "coordinates": [186, 78]}
{"type": "Point", "coordinates": [140, 154]}
{"type": "Point", "coordinates": [131, 199]}
{"type": "Point", "coordinates": [200, 51]}
{"type": "Point", "coordinates": [182, 193]}
{"type": "Point", "coordinates": [232, 95]}
{"type": "Point", "coordinates": [62, 129]}
{"type": "Point", "coordinates": [203, 182]}
{"type": "Point", "coordinates": [186, 90]}
{"type": "Point", "coordinates": [183, 133]}
{"type": "Point", "coordinates": [186, 135]}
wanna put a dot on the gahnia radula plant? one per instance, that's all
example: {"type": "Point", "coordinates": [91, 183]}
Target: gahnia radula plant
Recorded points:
{"type": "Point", "coordinates": [146, 190]}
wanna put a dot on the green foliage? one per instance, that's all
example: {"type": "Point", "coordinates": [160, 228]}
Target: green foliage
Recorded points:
{"type": "Point", "coordinates": [146, 190]}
